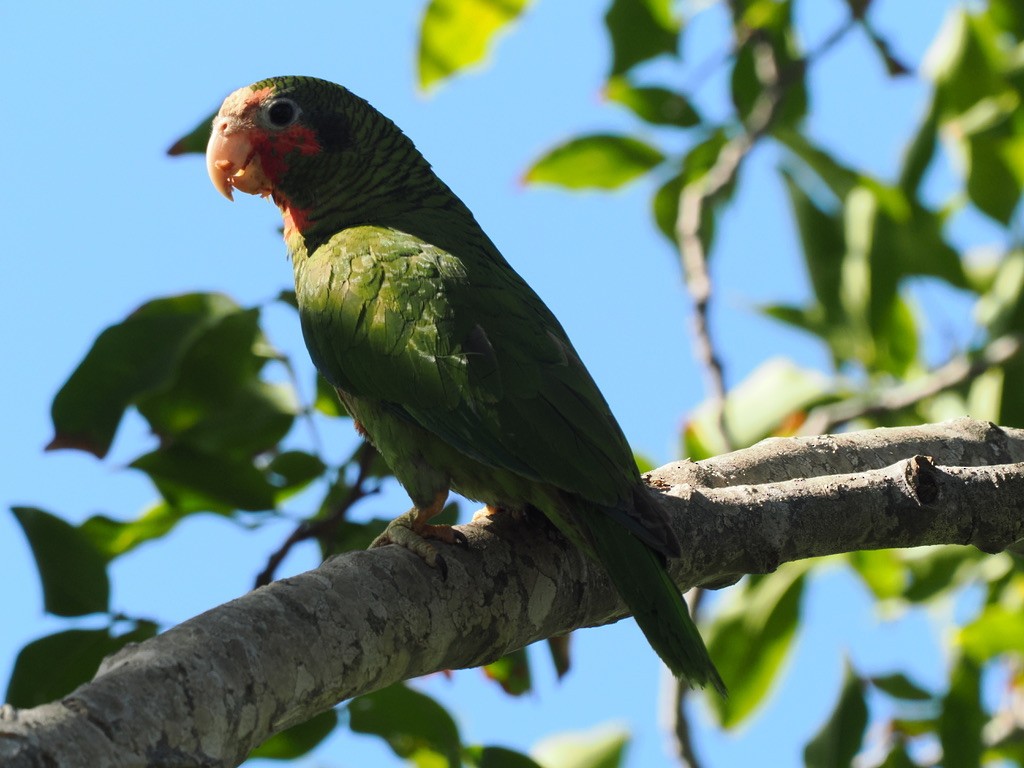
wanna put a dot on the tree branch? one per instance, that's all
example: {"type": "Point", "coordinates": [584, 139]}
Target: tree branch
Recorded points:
{"type": "Point", "coordinates": [208, 691]}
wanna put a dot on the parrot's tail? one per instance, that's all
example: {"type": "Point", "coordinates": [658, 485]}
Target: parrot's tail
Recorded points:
{"type": "Point", "coordinates": [640, 577]}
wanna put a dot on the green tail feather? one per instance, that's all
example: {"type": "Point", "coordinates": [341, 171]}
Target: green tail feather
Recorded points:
{"type": "Point", "coordinates": [640, 577]}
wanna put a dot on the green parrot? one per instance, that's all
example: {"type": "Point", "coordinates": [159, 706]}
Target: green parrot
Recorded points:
{"type": "Point", "coordinates": [447, 360]}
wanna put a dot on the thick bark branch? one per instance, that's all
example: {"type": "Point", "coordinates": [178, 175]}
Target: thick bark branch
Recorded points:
{"type": "Point", "coordinates": [208, 691]}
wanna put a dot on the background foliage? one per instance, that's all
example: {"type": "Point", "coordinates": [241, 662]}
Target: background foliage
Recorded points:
{"type": "Point", "coordinates": [912, 281]}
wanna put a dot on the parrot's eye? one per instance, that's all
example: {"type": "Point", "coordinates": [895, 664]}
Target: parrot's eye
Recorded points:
{"type": "Point", "coordinates": [282, 112]}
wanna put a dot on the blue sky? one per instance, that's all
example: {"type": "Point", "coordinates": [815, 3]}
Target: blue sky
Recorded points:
{"type": "Point", "coordinates": [99, 220]}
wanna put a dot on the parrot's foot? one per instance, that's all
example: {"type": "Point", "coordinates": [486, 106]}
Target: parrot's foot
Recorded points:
{"type": "Point", "coordinates": [412, 531]}
{"type": "Point", "coordinates": [485, 513]}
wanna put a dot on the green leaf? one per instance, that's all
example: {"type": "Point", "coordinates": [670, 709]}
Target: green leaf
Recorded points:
{"type": "Point", "coordinates": [597, 161]}
{"type": "Point", "coordinates": [994, 631]}
{"type": "Point", "coordinates": [641, 30]}
{"type": "Point", "coordinates": [195, 140]}
{"type": "Point", "coordinates": [962, 718]}
{"type": "Point", "coordinates": [51, 667]}
{"type": "Point", "coordinates": [757, 408]}
{"type": "Point", "coordinates": [839, 740]}
{"type": "Point", "coordinates": [898, 757]}
{"type": "Point", "coordinates": [191, 480]}
{"type": "Point", "coordinates": [292, 471]}
{"type": "Point", "coordinates": [750, 638]}
{"type": "Point", "coordinates": [113, 538]}
{"type": "Point", "coordinates": [299, 739]}
{"type": "Point", "coordinates": [327, 400]}
{"type": "Point", "coordinates": [408, 720]}
{"type": "Point", "coordinates": [456, 34]}
{"type": "Point", "coordinates": [936, 571]}
{"type": "Point", "coordinates": [72, 571]}
{"type": "Point", "coordinates": [511, 672]}
{"type": "Point", "coordinates": [601, 747]}
{"type": "Point", "coordinates": [497, 757]}
{"type": "Point", "coordinates": [217, 401]}
{"type": "Point", "coordinates": [883, 570]}
{"type": "Point", "coordinates": [128, 360]}
{"type": "Point", "coordinates": [899, 686]}
{"type": "Point", "coordinates": [658, 106]}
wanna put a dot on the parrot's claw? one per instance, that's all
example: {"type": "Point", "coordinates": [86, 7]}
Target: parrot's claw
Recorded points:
{"type": "Point", "coordinates": [409, 532]}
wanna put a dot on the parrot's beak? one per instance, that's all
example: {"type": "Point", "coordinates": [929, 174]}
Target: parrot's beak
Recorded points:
{"type": "Point", "coordinates": [232, 161]}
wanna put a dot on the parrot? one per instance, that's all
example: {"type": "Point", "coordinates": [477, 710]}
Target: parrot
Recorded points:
{"type": "Point", "coordinates": [446, 359]}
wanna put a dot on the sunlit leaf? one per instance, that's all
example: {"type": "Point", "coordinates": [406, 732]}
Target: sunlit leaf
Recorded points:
{"type": "Point", "coordinates": [757, 407]}
{"type": "Point", "coordinates": [114, 537]}
{"type": "Point", "coordinates": [995, 630]}
{"type": "Point", "coordinates": [456, 34]}
{"type": "Point", "coordinates": [601, 747]}
{"type": "Point", "coordinates": [750, 638]}
{"type": "Point", "coordinates": [839, 740]}
{"type": "Point", "coordinates": [497, 757]}
{"type": "Point", "coordinates": [511, 672]}
{"type": "Point", "coordinates": [299, 739]}
{"type": "Point", "coordinates": [597, 161]}
{"type": "Point", "coordinates": [73, 573]}
{"type": "Point", "coordinates": [51, 667]}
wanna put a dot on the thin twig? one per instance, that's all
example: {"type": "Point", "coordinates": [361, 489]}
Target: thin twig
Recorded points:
{"type": "Point", "coordinates": [678, 693]}
{"type": "Point", "coordinates": [958, 371]}
{"type": "Point", "coordinates": [322, 528]}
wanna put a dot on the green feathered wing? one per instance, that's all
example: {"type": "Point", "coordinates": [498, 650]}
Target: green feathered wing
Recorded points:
{"type": "Point", "coordinates": [453, 351]}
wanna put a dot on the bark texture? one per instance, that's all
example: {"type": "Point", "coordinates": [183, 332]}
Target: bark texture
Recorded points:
{"type": "Point", "coordinates": [210, 690]}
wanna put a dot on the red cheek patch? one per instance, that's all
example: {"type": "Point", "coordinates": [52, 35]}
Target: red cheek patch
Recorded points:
{"type": "Point", "coordinates": [274, 148]}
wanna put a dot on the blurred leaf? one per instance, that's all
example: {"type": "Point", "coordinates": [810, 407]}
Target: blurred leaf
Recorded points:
{"type": "Point", "coordinates": [73, 573]}
{"type": "Point", "coordinates": [51, 667]}
{"type": "Point", "coordinates": [883, 570]}
{"type": "Point", "coordinates": [113, 537]}
{"type": "Point", "coordinates": [193, 481]}
{"type": "Point", "coordinates": [558, 646]}
{"type": "Point", "coordinates": [641, 30]}
{"type": "Point", "coordinates": [327, 400]}
{"type": "Point", "coordinates": [299, 739]}
{"type": "Point", "coordinates": [751, 636]}
{"type": "Point", "coordinates": [824, 246]}
{"type": "Point", "coordinates": [195, 140]}
{"type": "Point", "coordinates": [408, 720]}
{"type": "Point", "coordinates": [292, 471]}
{"type": "Point", "coordinates": [511, 672]}
{"type": "Point", "coordinates": [994, 631]}
{"type": "Point", "coordinates": [962, 718]}
{"type": "Point", "coordinates": [898, 757]}
{"type": "Point", "coordinates": [658, 106]}
{"type": "Point", "coordinates": [839, 179]}
{"type": "Point", "coordinates": [935, 571]}
{"type": "Point", "coordinates": [1008, 15]}
{"type": "Point", "coordinates": [920, 152]}
{"type": "Point", "coordinates": [766, 29]}
{"type": "Point", "coordinates": [839, 740]}
{"type": "Point", "coordinates": [894, 66]}
{"type": "Point", "coordinates": [756, 408]}
{"type": "Point", "coordinates": [497, 757]}
{"type": "Point", "coordinates": [695, 165]}
{"type": "Point", "coordinates": [899, 686]}
{"type": "Point", "coordinates": [597, 161]}
{"type": "Point", "coordinates": [128, 360]}
{"type": "Point", "coordinates": [601, 747]}
{"type": "Point", "coordinates": [456, 34]}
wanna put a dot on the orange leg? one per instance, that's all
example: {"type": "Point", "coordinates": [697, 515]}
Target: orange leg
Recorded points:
{"type": "Point", "coordinates": [413, 532]}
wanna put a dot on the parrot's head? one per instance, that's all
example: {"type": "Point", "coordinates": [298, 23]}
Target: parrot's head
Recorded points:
{"type": "Point", "coordinates": [316, 148]}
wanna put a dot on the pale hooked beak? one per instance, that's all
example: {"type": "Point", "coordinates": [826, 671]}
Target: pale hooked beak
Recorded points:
{"type": "Point", "coordinates": [232, 162]}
